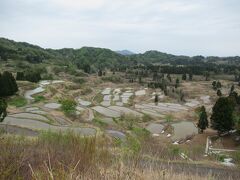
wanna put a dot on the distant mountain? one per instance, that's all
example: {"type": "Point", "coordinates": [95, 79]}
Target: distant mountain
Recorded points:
{"type": "Point", "coordinates": [100, 57]}
{"type": "Point", "coordinates": [125, 52]}
{"type": "Point", "coordinates": [95, 57]}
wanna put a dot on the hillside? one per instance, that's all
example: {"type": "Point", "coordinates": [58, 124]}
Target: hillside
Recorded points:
{"type": "Point", "coordinates": [100, 58]}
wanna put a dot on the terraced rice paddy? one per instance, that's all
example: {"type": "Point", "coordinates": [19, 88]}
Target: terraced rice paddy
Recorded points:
{"type": "Point", "coordinates": [183, 129]}
{"type": "Point", "coordinates": [52, 105]}
{"type": "Point", "coordinates": [41, 126]}
{"type": "Point", "coordinates": [155, 128]}
{"type": "Point", "coordinates": [116, 134]}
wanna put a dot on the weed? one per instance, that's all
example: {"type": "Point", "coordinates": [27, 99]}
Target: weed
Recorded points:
{"type": "Point", "coordinates": [17, 101]}
{"type": "Point", "coordinates": [39, 98]}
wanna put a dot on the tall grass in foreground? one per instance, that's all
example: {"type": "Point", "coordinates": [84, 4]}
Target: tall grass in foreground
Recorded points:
{"type": "Point", "coordinates": [51, 155]}
{"type": "Point", "coordinates": [69, 156]}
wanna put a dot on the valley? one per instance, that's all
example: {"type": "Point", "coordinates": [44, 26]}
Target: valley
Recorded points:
{"type": "Point", "coordinates": [137, 113]}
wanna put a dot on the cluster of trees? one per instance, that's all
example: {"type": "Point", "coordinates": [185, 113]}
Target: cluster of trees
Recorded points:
{"type": "Point", "coordinates": [32, 76]}
{"type": "Point", "coordinates": [223, 114]}
{"type": "Point", "coordinates": [216, 85]}
{"type": "Point", "coordinates": [8, 87]}
{"type": "Point", "coordinates": [91, 59]}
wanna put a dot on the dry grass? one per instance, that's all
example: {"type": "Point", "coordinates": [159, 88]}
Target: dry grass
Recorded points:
{"type": "Point", "coordinates": [68, 156]}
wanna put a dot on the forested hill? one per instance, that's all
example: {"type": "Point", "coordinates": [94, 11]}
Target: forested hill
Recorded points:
{"type": "Point", "coordinates": [99, 57]}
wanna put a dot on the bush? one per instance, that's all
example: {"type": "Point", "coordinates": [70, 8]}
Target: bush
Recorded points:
{"type": "Point", "coordinates": [113, 79]}
{"type": "Point", "coordinates": [17, 101]}
{"type": "Point", "coordinates": [99, 122]}
{"type": "Point", "coordinates": [32, 76]}
{"type": "Point", "coordinates": [79, 80]}
{"type": "Point", "coordinates": [68, 106]}
{"type": "Point", "coordinates": [8, 85]}
{"type": "Point", "coordinates": [141, 133]}
{"type": "Point", "coordinates": [146, 118]}
{"type": "Point", "coordinates": [39, 98]}
{"type": "Point", "coordinates": [236, 157]}
{"type": "Point", "coordinates": [47, 76]}
{"type": "Point", "coordinates": [86, 91]}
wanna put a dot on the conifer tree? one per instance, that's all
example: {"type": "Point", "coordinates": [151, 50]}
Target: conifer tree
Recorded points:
{"type": "Point", "coordinates": [203, 120]}
{"type": "Point", "coordinates": [222, 115]}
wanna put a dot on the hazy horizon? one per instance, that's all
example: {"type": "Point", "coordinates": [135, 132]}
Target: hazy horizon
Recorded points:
{"type": "Point", "coordinates": [179, 27]}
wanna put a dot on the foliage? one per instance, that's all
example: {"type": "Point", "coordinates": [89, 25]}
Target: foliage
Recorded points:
{"type": "Point", "coordinates": [141, 133]}
{"type": "Point", "coordinates": [113, 79]}
{"type": "Point", "coordinates": [17, 101]}
{"type": "Point", "coordinates": [79, 80]}
{"type": "Point", "coordinates": [99, 122]}
{"type": "Point", "coordinates": [236, 157]}
{"type": "Point", "coordinates": [8, 85]}
{"type": "Point", "coordinates": [3, 109]}
{"type": "Point", "coordinates": [169, 118]}
{"type": "Point", "coordinates": [218, 85]}
{"type": "Point", "coordinates": [68, 106]}
{"type": "Point", "coordinates": [203, 120]}
{"type": "Point", "coordinates": [20, 76]}
{"type": "Point", "coordinates": [219, 93]}
{"type": "Point", "coordinates": [92, 59]}
{"type": "Point", "coordinates": [39, 98]}
{"type": "Point", "coordinates": [214, 85]}
{"type": "Point", "coordinates": [146, 118]}
{"type": "Point", "coordinates": [32, 76]}
{"type": "Point", "coordinates": [222, 115]}
{"type": "Point", "coordinates": [184, 77]}
{"type": "Point", "coordinates": [156, 98]}
{"type": "Point", "coordinates": [177, 83]}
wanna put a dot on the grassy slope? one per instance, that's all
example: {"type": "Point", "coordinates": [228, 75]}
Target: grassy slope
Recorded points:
{"type": "Point", "coordinates": [58, 156]}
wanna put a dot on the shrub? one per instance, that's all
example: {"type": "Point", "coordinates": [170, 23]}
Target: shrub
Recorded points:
{"type": "Point", "coordinates": [79, 80]}
{"type": "Point", "coordinates": [99, 122]}
{"type": "Point", "coordinates": [8, 85]}
{"type": "Point", "coordinates": [68, 106]}
{"type": "Point", "coordinates": [17, 101]}
{"type": "Point", "coordinates": [113, 79]}
{"type": "Point", "coordinates": [39, 98]}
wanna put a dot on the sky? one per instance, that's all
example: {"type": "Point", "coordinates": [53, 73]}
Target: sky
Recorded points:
{"type": "Point", "coordinates": [181, 27]}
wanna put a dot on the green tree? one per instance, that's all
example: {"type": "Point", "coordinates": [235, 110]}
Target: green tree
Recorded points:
{"type": "Point", "coordinates": [169, 77]}
{"type": "Point", "coordinates": [184, 77]}
{"type": "Point", "coordinates": [100, 73]}
{"type": "Point", "coordinates": [139, 79]}
{"type": "Point", "coordinates": [203, 120]}
{"type": "Point", "coordinates": [222, 115]}
{"type": "Point", "coordinates": [32, 76]}
{"type": "Point", "coordinates": [87, 68]}
{"type": "Point", "coordinates": [214, 85]}
{"type": "Point", "coordinates": [156, 98]}
{"type": "Point", "coordinates": [68, 106]}
{"type": "Point", "coordinates": [190, 77]}
{"type": "Point", "coordinates": [3, 109]}
{"type": "Point", "coordinates": [177, 83]}
{"type": "Point", "coordinates": [206, 75]}
{"type": "Point", "coordinates": [219, 85]}
{"type": "Point", "coordinates": [20, 76]}
{"type": "Point", "coordinates": [8, 85]}
{"type": "Point", "coordinates": [219, 93]}
{"type": "Point", "coordinates": [232, 88]}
